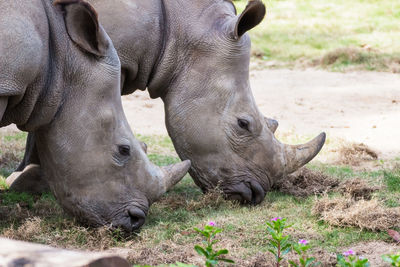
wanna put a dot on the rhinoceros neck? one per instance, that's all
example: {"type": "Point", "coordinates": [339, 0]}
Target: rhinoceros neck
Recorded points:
{"type": "Point", "coordinates": [137, 29]}
{"type": "Point", "coordinates": [166, 63]}
{"type": "Point", "coordinates": [39, 99]}
{"type": "Point", "coordinates": [183, 26]}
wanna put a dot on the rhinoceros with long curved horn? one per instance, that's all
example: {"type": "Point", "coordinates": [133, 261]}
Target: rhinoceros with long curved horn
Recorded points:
{"type": "Point", "coordinates": [195, 56]}
{"type": "Point", "coordinates": [60, 81]}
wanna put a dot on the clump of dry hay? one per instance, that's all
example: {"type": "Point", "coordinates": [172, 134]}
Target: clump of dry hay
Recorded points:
{"type": "Point", "coordinates": [357, 189]}
{"type": "Point", "coordinates": [26, 232]}
{"type": "Point", "coordinates": [306, 182]}
{"type": "Point", "coordinates": [345, 54]}
{"type": "Point", "coordinates": [365, 214]}
{"type": "Point", "coordinates": [66, 235]}
{"type": "Point", "coordinates": [214, 198]}
{"type": "Point", "coordinates": [354, 154]}
{"type": "Point", "coordinates": [11, 153]}
{"type": "Point", "coordinates": [45, 221]}
{"type": "Point", "coordinates": [359, 58]}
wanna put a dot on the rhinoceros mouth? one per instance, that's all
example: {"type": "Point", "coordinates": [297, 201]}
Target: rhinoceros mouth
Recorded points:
{"type": "Point", "coordinates": [131, 220]}
{"type": "Point", "coordinates": [241, 186]}
{"type": "Point", "coordinates": [245, 192]}
{"type": "Point", "coordinates": [128, 217]}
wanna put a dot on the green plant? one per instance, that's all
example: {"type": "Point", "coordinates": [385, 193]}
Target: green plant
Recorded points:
{"type": "Point", "coordinates": [178, 264]}
{"type": "Point", "coordinates": [394, 260]}
{"type": "Point", "coordinates": [349, 259]}
{"type": "Point", "coordinates": [212, 256]}
{"type": "Point", "coordinates": [280, 245]}
{"type": "Point", "coordinates": [301, 249]}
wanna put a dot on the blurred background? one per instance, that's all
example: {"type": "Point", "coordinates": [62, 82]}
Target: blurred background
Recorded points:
{"type": "Point", "coordinates": [336, 35]}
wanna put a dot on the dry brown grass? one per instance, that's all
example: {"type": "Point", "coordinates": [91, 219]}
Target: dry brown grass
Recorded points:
{"type": "Point", "coordinates": [45, 222]}
{"type": "Point", "coordinates": [354, 154]}
{"type": "Point", "coordinates": [364, 214]}
{"type": "Point", "coordinates": [212, 199]}
{"type": "Point", "coordinates": [355, 58]}
{"type": "Point", "coordinates": [357, 189]}
{"type": "Point", "coordinates": [10, 153]}
{"type": "Point", "coordinates": [70, 235]}
{"type": "Point", "coordinates": [306, 182]}
{"type": "Point", "coordinates": [347, 53]}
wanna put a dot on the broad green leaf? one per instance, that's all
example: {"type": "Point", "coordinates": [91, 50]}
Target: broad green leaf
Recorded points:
{"type": "Point", "coordinates": [226, 260]}
{"type": "Point", "coordinates": [201, 251]}
{"type": "Point", "coordinates": [221, 252]}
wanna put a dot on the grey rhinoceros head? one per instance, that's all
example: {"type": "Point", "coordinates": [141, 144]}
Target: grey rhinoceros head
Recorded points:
{"type": "Point", "coordinates": [95, 167]}
{"type": "Point", "coordinates": [211, 113]}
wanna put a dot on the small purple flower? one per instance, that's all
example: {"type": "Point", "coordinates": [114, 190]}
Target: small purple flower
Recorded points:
{"type": "Point", "coordinates": [349, 252]}
{"type": "Point", "coordinates": [303, 242]}
{"type": "Point", "coordinates": [211, 223]}
{"type": "Point", "coordinates": [276, 218]}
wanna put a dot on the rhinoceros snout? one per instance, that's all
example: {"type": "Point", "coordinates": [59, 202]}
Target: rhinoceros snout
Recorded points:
{"type": "Point", "coordinates": [246, 192]}
{"type": "Point", "coordinates": [137, 218]}
{"type": "Point", "coordinates": [132, 221]}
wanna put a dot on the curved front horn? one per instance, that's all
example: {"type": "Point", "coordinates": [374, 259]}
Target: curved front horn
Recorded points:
{"type": "Point", "coordinates": [299, 155]}
{"type": "Point", "coordinates": [174, 173]}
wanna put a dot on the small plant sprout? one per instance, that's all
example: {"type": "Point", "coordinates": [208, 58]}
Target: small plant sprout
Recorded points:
{"type": "Point", "coordinates": [349, 259]}
{"type": "Point", "coordinates": [212, 256]}
{"type": "Point", "coordinates": [280, 245]}
{"type": "Point", "coordinates": [301, 249]}
{"type": "Point", "coordinates": [394, 260]}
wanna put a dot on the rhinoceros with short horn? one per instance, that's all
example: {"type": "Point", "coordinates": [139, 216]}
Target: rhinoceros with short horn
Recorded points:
{"type": "Point", "coordinates": [195, 56]}
{"type": "Point", "coordinates": [60, 81]}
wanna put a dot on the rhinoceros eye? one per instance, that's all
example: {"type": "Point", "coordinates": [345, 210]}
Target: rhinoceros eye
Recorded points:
{"type": "Point", "coordinates": [124, 150]}
{"type": "Point", "coordinates": [244, 124]}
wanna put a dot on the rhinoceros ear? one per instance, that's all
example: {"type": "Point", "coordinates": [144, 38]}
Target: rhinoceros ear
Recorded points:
{"type": "Point", "coordinates": [83, 26]}
{"type": "Point", "coordinates": [252, 15]}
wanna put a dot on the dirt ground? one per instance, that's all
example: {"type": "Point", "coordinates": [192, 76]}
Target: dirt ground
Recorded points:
{"type": "Point", "coordinates": [361, 107]}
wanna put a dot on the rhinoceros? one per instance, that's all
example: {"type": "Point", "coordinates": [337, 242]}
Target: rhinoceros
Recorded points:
{"type": "Point", "coordinates": [195, 56]}
{"type": "Point", "coordinates": [60, 80]}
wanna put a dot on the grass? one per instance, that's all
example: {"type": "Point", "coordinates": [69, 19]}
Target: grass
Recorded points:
{"type": "Point", "coordinates": [336, 35]}
{"type": "Point", "coordinates": [168, 234]}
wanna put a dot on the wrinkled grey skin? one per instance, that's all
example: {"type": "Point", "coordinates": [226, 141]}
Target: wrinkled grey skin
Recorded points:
{"type": "Point", "coordinates": [195, 56]}
{"type": "Point", "coordinates": [60, 80]}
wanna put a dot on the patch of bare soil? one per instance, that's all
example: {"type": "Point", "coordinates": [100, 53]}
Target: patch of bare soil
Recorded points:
{"type": "Point", "coordinates": [361, 107]}
{"type": "Point", "coordinates": [354, 154]}
{"type": "Point", "coordinates": [306, 182]}
{"type": "Point", "coordinates": [357, 189]}
{"type": "Point", "coordinates": [365, 214]}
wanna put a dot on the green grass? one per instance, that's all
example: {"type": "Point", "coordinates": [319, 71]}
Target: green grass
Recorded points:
{"type": "Point", "coordinates": [392, 181]}
{"type": "Point", "coordinates": [337, 35]}
{"type": "Point", "coordinates": [168, 234]}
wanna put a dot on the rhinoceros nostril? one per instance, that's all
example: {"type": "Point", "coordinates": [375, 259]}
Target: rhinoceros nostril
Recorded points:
{"type": "Point", "coordinates": [240, 192]}
{"type": "Point", "coordinates": [258, 192]}
{"type": "Point", "coordinates": [248, 192]}
{"type": "Point", "coordinates": [137, 218]}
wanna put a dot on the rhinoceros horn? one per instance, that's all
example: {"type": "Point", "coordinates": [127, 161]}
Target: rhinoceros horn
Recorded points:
{"type": "Point", "coordinates": [174, 173]}
{"type": "Point", "coordinates": [299, 155]}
